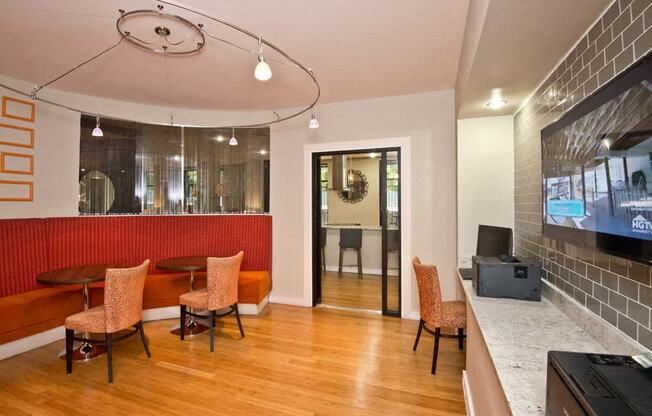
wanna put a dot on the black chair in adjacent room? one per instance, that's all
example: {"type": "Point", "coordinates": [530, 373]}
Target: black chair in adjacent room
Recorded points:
{"type": "Point", "coordinates": [322, 246]}
{"type": "Point", "coordinates": [351, 239]}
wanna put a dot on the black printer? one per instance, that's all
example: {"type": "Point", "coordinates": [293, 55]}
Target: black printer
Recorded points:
{"type": "Point", "coordinates": [506, 277]}
{"type": "Point", "coordinates": [597, 385]}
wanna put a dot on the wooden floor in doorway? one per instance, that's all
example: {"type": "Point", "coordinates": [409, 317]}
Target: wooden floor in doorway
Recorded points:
{"type": "Point", "coordinates": [349, 291]}
{"type": "Point", "coordinates": [292, 361]}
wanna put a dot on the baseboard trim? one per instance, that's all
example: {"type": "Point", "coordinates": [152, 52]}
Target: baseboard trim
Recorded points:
{"type": "Point", "coordinates": [287, 301]}
{"type": "Point", "coordinates": [468, 398]}
{"type": "Point", "coordinates": [413, 315]}
{"type": "Point", "coordinates": [252, 309]}
{"type": "Point", "coordinates": [31, 342]}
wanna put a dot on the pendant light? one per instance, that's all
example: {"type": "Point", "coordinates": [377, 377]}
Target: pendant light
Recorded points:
{"type": "Point", "coordinates": [263, 72]}
{"type": "Point", "coordinates": [314, 124]}
{"type": "Point", "coordinates": [233, 141]}
{"type": "Point", "coordinates": [97, 131]}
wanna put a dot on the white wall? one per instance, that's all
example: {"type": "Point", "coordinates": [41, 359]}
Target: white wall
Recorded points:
{"type": "Point", "coordinates": [56, 164]}
{"type": "Point", "coordinates": [485, 178]}
{"type": "Point", "coordinates": [429, 121]}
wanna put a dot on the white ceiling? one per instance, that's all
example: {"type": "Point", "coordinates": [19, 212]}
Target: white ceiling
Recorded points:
{"type": "Point", "coordinates": [358, 49]}
{"type": "Point", "coordinates": [520, 43]}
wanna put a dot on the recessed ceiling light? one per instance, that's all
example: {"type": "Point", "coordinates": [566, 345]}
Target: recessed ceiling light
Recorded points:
{"type": "Point", "coordinates": [496, 103]}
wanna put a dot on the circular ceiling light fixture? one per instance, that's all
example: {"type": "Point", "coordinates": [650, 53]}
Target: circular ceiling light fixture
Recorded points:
{"type": "Point", "coordinates": [163, 33]}
{"type": "Point", "coordinates": [496, 103]}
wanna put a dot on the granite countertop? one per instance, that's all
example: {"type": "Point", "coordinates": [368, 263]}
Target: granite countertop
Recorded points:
{"type": "Point", "coordinates": [518, 335]}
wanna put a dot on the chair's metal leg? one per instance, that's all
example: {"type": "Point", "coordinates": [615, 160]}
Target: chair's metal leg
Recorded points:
{"type": "Point", "coordinates": [323, 259]}
{"type": "Point", "coordinates": [416, 341]}
{"type": "Point", "coordinates": [211, 326]}
{"type": "Point", "coordinates": [141, 330]}
{"type": "Point", "coordinates": [460, 335]}
{"type": "Point", "coordinates": [237, 316]}
{"type": "Point", "coordinates": [435, 352]}
{"type": "Point", "coordinates": [359, 263]}
{"type": "Point", "coordinates": [182, 322]}
{"type": "Point", "coordinates": [109, 356]}
{"type": "Point", "coordinates": [69, 334]}
{"type": "Point", "coordinates": [339, 269]}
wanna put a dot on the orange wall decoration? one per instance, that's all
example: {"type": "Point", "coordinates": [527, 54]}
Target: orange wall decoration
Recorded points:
{"type": "Point", "coordinates": [17, 131]}
{"type": "Point", "coordinates": [6, 163]}
{"type": "Point", "coordinates": [18, 109]}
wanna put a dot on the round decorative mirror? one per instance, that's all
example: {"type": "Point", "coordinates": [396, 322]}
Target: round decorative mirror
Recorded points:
{"type": "Point", "coordinates": [357, 189]}
{"type": "Point", "coordinates": [96, 193]}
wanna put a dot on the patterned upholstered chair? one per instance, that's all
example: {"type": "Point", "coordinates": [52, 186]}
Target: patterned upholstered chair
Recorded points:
{"type": "Point", "coordinates": [436, 314]}
{"type": "Point", "coordinates": [122, 309]}
{"type": "Point", "coordinates": [221, 293]}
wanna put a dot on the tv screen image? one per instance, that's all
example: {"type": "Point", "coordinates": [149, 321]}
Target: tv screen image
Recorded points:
{"type": "Point", "coordinates": [597, 168]}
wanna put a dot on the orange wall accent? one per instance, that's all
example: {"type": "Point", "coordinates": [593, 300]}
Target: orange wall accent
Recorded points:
{"type": "Point", "coordinates": [6, 113]}
{"type": "Point", "coordinates": [28, 198]}
{"type": "Point", "coordinates": [3, 168]}
{"type": "Point", "coordinates": [30, 145]}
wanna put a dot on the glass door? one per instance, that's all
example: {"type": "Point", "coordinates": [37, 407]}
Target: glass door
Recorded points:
{"type": "Point", "coordinates": [390, 219]}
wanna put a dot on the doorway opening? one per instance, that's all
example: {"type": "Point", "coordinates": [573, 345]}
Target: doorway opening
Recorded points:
{"type": "Point", "coordinates": [356, 230]}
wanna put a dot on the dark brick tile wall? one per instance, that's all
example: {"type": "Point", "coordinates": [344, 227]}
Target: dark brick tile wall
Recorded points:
{"type": "Point", "coordinates": [618, 290]}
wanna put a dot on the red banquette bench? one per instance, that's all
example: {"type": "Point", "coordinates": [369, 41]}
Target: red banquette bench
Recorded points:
{"type": "Point", "coordinates": [32, 246]}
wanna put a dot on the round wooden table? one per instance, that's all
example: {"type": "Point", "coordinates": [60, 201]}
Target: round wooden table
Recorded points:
{"type": "Point", "coordinates": [80, 275]}
{"type": "Point", "coordinates": [189, 264]}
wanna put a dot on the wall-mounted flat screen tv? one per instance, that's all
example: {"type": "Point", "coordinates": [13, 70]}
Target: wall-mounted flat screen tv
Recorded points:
{"type": "Point", "coordinates": [597, 168]}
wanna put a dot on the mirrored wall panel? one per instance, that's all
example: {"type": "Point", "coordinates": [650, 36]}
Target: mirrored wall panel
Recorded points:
{"type": "Point", "coordinates": [139, 168]}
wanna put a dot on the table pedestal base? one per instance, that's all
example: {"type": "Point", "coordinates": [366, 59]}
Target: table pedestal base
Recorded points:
{"type": "Point", "coordinates": [85, 352]}
{"type": "Point", "coordinates": [192, 328]}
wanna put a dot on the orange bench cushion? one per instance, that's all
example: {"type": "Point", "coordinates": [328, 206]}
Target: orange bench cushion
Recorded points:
{"type": "Point", "coordinates": [38, 310]}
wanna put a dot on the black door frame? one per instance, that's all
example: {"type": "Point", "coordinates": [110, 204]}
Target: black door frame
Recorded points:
{"type": "Point", "coordinates": [316, 221]}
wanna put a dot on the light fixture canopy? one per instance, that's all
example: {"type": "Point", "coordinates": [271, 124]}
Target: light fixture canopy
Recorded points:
{"type": "Point", "coordinates": [496, 103]}
{"type": "Point", "coordinates": [97, 131]}
{"type": "Point", "coordinates": [262, 72]}
{"type": "Point", "coordinates": [314, 124]}
{"type": "Point", "coordinates": [233, 141]}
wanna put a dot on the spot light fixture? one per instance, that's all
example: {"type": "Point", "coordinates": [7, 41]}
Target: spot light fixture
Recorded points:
{"type": "Point", "coordinates": [496, 103]}
{"type": "Point", "coordinates": [97, 131]}
{"type": "Point", "coordinates": [314, 124]}
{"type": "Point", "coordinates": [233, 141]}
{"type": "Point", "coordinates": [220, 138]}
{"type": "Point", "coordinates": [262, 72]}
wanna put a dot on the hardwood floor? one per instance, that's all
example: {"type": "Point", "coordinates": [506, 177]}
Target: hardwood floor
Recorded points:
{"type": "Point", "coordinates": [349, 291]}
{"type": "Point", "coordinates": [293, 361]}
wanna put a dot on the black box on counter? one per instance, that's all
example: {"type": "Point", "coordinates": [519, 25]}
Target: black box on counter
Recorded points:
{"type": "Point", "coordinates": [506, 277]}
